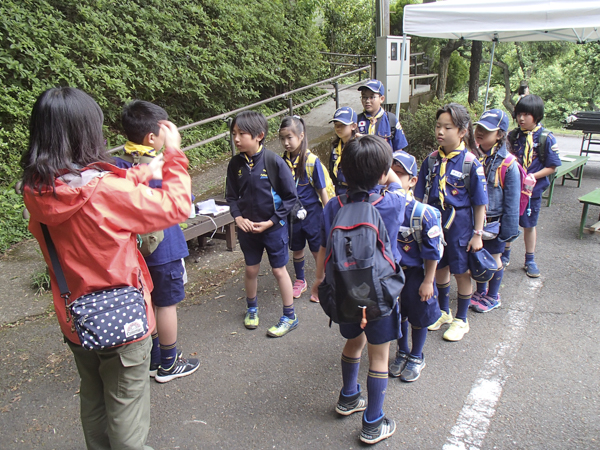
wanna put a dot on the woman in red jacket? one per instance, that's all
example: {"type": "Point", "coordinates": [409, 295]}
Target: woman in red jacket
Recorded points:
{"type": "Point", "coordinates": [93, 211]}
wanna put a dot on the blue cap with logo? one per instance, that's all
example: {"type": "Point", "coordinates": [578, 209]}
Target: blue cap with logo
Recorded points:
{"type": "Point", "coordinates": [345, 115]}
{"type": "Point", "coordinates": [375, 86]}
{"type": "Point", "coordinates": [494, 119]}
{"type": "Point", "coordinates": [407, 161]}
{"type": "Point", "coordinates": [482, 265]}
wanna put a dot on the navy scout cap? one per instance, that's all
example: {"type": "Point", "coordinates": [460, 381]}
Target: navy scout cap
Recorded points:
{"type": "Point", "coordinates": [345, 115]}
{"type": "Point", "coordinates": [375, 86]}
{"type": "Point", "coordinates": [482, 265]}
{"type": "Point", "coordinates": [407, 161]}
{"type": "Point", "coordinates": [494, 119]}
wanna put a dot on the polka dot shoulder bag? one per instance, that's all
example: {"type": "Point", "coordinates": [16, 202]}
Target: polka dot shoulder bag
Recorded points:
{"type": "Point", "coordinates": [102, 319]}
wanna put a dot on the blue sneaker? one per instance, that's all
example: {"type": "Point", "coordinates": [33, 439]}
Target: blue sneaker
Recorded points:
{"type": "Point", "coordinates": [531, 269]}
{"type": "Point", "coordinates": [486, 304]}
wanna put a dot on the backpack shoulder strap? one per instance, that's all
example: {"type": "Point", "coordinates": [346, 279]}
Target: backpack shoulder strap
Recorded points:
{"type": "Point", "coordinates": [504, 168]}
{"type": "Point", "coordinates": [272, 169]}
{"type": "Point", "coordinates": [430, 164]}
{"type": "Point", "coordinates": [416, 222]}
{"type": "Point", "coordinates": [466, 170]}
{"type": "Point", "coordinates": [392, 119]}
{"type": "Point", "coordinates": [541, 150]}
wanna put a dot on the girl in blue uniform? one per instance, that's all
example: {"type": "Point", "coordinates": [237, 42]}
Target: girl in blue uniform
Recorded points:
{"type": "Point", "coordinates": [344, 122]}
{"type": "Point", "coordinates": [312, 182]}
{"type": "Point", "coordinates": [504, 194]}
{"type": "Point", "coordinates": [461, 199]}
{"type": "Point", "coordinates": [541, 162]}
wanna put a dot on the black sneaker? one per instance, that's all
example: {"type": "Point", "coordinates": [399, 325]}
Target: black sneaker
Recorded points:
{"type": "Point", "coordinates": [378, 431]}
{"type": "Point", "coordinates": [347, 405]}
{"type": "Point", "coordinates": [181, 367]}
{"type": "Point", "coordinates": [398, 365]}
{"type": "Point", "coordinates": [154, 366]}
{"type": "Point", "coordinates": [412, 370]}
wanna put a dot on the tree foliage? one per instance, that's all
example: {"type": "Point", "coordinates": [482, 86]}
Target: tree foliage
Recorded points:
{"type": "Point", "coordinates": [349, 26]}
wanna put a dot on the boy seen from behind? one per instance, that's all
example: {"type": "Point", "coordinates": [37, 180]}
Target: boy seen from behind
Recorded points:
{"type": "Point", "coordinates": [366, 163]}
{"type": "Point", "coordinates": [145, 139]}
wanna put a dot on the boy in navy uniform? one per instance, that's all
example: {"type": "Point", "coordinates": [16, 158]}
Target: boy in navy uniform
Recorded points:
{"type": "Point", "coordinates": [140, 122]}
{"type": "Point", "coordinates": [375, 120]}
{"type": "Point", "coordinates": [367, 161]}
{"type": "Point", "coordinates": [541, 162]}
{"type": "Point", "coordinates": [420, 250]}
{"type": "Point", "coordinates": [260, 213]}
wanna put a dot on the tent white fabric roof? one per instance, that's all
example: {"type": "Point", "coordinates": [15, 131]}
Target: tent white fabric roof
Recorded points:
{"type": "Point", "coordinates": [505, 20]}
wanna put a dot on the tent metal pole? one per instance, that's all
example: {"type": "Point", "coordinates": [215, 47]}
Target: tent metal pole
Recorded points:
{"type": "Point", "coordinates": [487, 89]}
{"type": "Point", "coordinates": [403, 57]}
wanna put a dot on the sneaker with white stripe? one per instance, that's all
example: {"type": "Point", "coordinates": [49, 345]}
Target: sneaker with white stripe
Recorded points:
{"type": "Point", "coordinates": [182, 367]}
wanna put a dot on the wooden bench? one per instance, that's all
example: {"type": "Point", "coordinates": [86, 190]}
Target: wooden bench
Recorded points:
{"type": "Point", "coordinates": [202, 227]}
{"type": "Point", "coordinates": [569, 170]}
{"type": "Point", "coordinates": [592, 198]}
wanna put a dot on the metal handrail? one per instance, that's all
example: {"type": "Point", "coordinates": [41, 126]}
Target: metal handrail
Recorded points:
{"type": "Point", "coordinates": [285, 95]}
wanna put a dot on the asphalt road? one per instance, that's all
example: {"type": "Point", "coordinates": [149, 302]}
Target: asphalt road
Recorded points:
{"type": "Point", "coordinates": [524, 377]}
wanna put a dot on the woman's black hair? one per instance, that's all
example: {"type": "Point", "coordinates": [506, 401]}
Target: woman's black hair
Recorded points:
{"type": "Point", "coordinates": [531, 104]}
{"type": "Point", "coordinates": [297, 125]}
{"type": "Point", "coordinates": [365, 160]}
{"type": "Point", "coordinates": [139, 118]}
{"type": "Point", "coordinates": [251, 122]}
{"type": "Point", "coordinates": [65, 135]}
{"type": "Point", "coordinates": [462, 120]}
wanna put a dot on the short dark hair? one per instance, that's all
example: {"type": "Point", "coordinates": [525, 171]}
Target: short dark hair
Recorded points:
{"type": "Point", "coordinates": [531, 104]}
{"type": "Point", "coordinates": [297, 125]}
{"type": "Point", "coordinates": [251, 122]}
{"type": "Point", "coordinates": [139, 118]}
{"type": "Point", "coordinates": [65, 135]}
{"type": "Point", "coordinates": [364, 160]}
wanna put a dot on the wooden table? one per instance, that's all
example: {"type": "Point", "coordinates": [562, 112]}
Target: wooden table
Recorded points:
{"type": "Point", "coordinates": [569, 170]}
{"type": "Point", "coordinates": [592, 198]}
{"type": "Point", "coordinates": [202, 227]}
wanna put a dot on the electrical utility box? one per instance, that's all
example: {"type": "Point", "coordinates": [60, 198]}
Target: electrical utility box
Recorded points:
{"type": "Point", "coordinates": [389, 53]}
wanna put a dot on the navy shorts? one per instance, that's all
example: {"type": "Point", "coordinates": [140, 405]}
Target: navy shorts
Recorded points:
{"type": "Point", "coordinates": [457, 238]}
{"type": "Point", "coordinates": [308, 230]}
{"type": "Point", "coordinates": [494, 246]}
{"type": "Point", "coordinates": [275, 242]}
{"type": "Point", "coordinates": [378, 332]}
{"type": "Point", "coordinates": [168, 283]}
{"type": "Point", "coordinates": [420, 314]}
{"type": "Point", "coordinates": [531, 220]}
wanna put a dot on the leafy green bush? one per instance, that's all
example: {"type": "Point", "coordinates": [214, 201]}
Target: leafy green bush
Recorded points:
{"type": "Point", "coordinates": [13, 228]}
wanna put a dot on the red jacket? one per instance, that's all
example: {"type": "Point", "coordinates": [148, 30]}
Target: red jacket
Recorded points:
{"type": "Point", "coordinates": [94, 219]}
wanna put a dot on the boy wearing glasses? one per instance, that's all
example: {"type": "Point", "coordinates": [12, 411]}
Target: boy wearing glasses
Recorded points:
{"type": "Point", "coordinates": [375, 120]}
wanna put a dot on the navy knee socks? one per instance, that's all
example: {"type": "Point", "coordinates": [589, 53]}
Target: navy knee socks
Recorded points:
{"type": "Point", "coordinates": [299, 268]}
{"type": "Point", "coordinates": [444, 296]}
{"type": "Point", "coordinates": [376, 387]}
{"type": "Point", "coordinates": [350, 368]}
{"type": "Point", "coordinates": [495, 284]}
{"type": "Point", "coordinates": [418, 342]}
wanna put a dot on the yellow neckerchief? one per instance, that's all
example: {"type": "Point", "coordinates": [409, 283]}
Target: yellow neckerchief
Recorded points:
{"type": "Point", "coordinates": [373, 120]}
{"type": "Point", "coordinates": [485, 157]}
{"type": "Point", "coordinates": [445, 159]}
{"type": "Point", "coordinates": [142, 150]}
{"type": "Point", "coordinates": [250, 160]}
{"type": "Point", "coordinates": [287, 157]}
{"type": "Point", "coordinates": [338, 152]}
{"type": "Point", "coordinates": [528, 152]}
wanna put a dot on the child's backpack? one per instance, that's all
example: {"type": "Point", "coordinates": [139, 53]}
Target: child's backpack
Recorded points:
{"type": "Point", "coordinates": [466, 172]}
{"type": "Point", "coordinates": [361, 282]}
{"type": "Point", "coordinates": [416, 224]}
{"type": "Point", "coordinates": [527, 180]}
{"type": "Point", "coordinates": [311, 160]}
{"type": "Point", "coordinates": [541, 148]}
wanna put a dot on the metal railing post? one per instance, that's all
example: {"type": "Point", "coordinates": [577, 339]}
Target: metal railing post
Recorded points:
{"type": "Point", "coordinates": [231, 144]}
{"type": "Point", "coordinates": [291, 106]}
{"type": "Point", "coordinates": [337, 95]}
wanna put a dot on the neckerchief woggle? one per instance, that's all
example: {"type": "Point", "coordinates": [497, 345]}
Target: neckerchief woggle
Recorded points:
{"type": "Point", "coordinates": [445, 158]}
{"type": "Point", "coordinates": [528, 152]}
{"type": "Point", "coordinates": [250, 160]}
{"type": "Point", "coordinates": [384, 125]}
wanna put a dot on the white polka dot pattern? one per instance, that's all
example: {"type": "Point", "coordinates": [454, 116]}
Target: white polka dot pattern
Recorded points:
{"type": "Point", "coordinates": [105, 319]}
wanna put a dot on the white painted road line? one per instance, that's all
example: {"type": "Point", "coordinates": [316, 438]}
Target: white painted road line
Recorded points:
{"type": "Point", "coordinates": [480, 406]}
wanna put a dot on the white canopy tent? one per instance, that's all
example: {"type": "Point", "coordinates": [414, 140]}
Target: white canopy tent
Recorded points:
{"type": "Point", "coordinates": [503, 21]}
